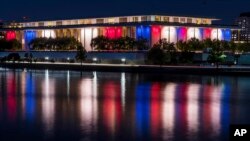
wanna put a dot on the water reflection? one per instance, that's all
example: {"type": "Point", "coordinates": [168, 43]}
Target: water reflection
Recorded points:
{"type": "Point", "coordinates": [88, 104]}
{"type": "Point", "coordinates": [48, 102]}
{"type": "Point", "coordinates": [111, 106]}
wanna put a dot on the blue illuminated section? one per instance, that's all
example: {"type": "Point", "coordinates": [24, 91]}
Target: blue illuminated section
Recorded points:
{"type": "Point", "coordinates": [143, 32]}
{"type": "Point", "coordinates": [143, 110]}
{"type": "Point", "coordinates": [227, 34]}
{"type": "Point", "coordinates": [29, 36]}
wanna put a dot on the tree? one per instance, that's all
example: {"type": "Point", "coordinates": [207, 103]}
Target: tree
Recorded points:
{"type": "Point", "coordinates": [64, 43]}
{"type": "Point", "coordinates": [81, 53]}
{"type": "Point", "coordinates": [142, 44]}
{"type": "Point", "coordinates": [195, 45]}
{"type": "Point", "coordinates": [156, 56]}
{"type": "Point", "coordinates": [169, 49]}
{"type": "Point", "coordinates": [100, 43]}
{"type": "Point", "coordinates": [216, 55]}
{"type": "Point", "coordinates": [10, 44]}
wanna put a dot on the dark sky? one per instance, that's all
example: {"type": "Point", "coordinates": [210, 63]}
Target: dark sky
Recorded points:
{"type": "Point", "coordinates": [227, 10]}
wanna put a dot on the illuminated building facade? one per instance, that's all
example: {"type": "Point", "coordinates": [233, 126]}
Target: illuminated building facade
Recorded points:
{"type": "Point", "coordinates": [244, 23]}
{"type": "Point", "coordinates": [150, 27]}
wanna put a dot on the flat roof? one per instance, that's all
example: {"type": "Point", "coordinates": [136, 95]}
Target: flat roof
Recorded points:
{"type": "Point", "coordinates": [148, 23]}
{"type": "Point", "coordinates": [100, 17]}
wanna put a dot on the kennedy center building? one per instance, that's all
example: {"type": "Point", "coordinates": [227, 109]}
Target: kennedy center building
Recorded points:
{"type": "Point", "coordinates": [150, 27]}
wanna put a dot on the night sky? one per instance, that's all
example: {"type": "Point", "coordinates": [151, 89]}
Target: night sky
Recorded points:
{"type": "Point", "coordinates": [227, 10]}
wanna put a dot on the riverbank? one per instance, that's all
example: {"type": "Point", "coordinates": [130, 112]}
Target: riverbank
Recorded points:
{"type": "Point", "coordinates": [204, 70]}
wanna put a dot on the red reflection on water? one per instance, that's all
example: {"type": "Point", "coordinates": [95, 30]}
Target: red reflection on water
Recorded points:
{"type": "Point", "coordinates": [11, 99]}
{"type": "Point", "coordinates": [112, 108]}
{"type": "Point", "coordinates": [183, 106]}
{"type": "Point", "coordinates": [155, 109]}
{"type": "Point", "coordinates": [206, 114]}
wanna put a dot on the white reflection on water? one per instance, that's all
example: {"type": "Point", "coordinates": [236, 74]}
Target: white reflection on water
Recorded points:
{"type": "Point", "coordinates": [168, 111]}
{"type": "Point", "coordinates": [88, 104]}
{"type": "Point", "coordinates": [123, 89]}
{"type": "Point", "coordinates": [68, 83]}
{"type": "Point", "coordinates": [216, 109]}
{"type": "Point", "coordinates": [193, 110]}
{"type": "Point", "coordinates": [23, 92]}
{"type": "Point", "coordinates": [48, 102]}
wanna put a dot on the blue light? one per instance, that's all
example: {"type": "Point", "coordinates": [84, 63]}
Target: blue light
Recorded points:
{"type": "Point", "coordinates": [29, 36]}
{"type": "Point", "coordinates": [143, 32]}
{"type": "Point", "coordinates": [227, 34]}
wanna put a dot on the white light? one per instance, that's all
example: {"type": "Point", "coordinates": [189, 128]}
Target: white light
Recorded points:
{"type": "Point", "coordinates": [169, 33]}
{"type": "Point", "coordinates": [95, 59]}
{"type": "Point", "coordinates": [68, 58]}
{"type": "Point", "coordinates": [217, 34]}
{"type": "Point", "coordinates": [48, 33]}
{"type": "Point", "coordinates": [194, 33]}
{"type": "Point", "coordinates": [46, 58]}
{"type": "Point", "coordinates": [123, 60]}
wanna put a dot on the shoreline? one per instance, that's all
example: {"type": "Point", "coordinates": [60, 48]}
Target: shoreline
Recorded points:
{"type": "Point", "coordinates": [195, 70]}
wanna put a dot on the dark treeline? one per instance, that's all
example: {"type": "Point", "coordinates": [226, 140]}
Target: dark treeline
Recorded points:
{"type": "Point", "coordinates": [55, 44]}
{"type": "Point", "coordinates": [10, 45]}
{"type": "Point", "coordinates": [123, 43]}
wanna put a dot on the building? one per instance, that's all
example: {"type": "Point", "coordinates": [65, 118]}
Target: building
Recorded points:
{"type": "Point", "coordinates": [243, 21]}
{"type": "Point", "coordinates": [151, 27]}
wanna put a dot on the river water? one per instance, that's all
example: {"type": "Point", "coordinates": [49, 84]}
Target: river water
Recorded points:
{"type": "Point", "coordinates": [46, 105]}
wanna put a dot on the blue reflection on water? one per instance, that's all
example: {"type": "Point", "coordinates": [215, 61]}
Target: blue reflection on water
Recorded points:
{"type": "Point", "coordinates": [225, 109]}
{"type": "Point", "coordinates": [143, 110]}
{"type": "Point", "coordinates": [30, 96]}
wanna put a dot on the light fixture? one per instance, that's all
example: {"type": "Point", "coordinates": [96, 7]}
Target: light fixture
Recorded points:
{"type": "Point", "coordinates": [123, 60]}
{"type": "Point", "coordinates": [95, 59]}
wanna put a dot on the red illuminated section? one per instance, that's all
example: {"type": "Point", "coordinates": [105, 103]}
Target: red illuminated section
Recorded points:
{"type": "Point", "coordinates": [10, 35]}
{"type": "Point", "coordinates": [182, 34]}
{"type": "Point", "coordinates": [156, 34]}
{"type": "Point", "coordinates": [207, 33]}
{"type": "Point", "coordinates": [113, 32]}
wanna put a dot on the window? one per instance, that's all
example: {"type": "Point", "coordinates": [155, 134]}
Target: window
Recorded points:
{"type": "Point", "coordinates": [183, 20]}
{"type": "Point", "coordinates": [88, 21]}
{"type": "Point", "coordinates": [166, 19]}
{"type": "Point", "coordinates": [204, 22]}
{"type": "Point", "coordinates": [123, 20]}
{"type": "Point", "coordinates": [58, 23]}
{"type": "Point", "coordinates": [176, 20]}
{"type": "Point", "coordinates": [41, 24]}
{"type": "Point", "coordinates": [189, 20]}
{"type": "Point", "coordinates": [99, 21]}
{"type": "Point", "coordinates": [198, 21]}
{"type": "Point", "coordinates": [144, 18]}
{"type": "Point", "coordinates": [135, 19]}
{"type": "Point", "coordinates": [81, 21]}
{"type": "Point", "coordinates": [158, 18]}
{"type": "Point", "coordinates": [50, 24]}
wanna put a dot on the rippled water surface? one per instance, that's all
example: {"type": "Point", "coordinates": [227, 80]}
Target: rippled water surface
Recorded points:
{"type": "Point", "coordinates": [44, 105]}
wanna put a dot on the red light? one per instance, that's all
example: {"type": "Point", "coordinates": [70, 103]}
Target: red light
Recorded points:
{"type": "Point", "coordinates": [113, 32]}
{"type": "Point", "coordinates": [156, 35]}
{"type": "Point", "coordinates": [10, 35]}
{"type": "Point", "coordinates": [207, 33]}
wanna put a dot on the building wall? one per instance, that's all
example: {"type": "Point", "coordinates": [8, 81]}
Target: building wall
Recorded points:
{"type": "Point", "coordinates": [151, 33]}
